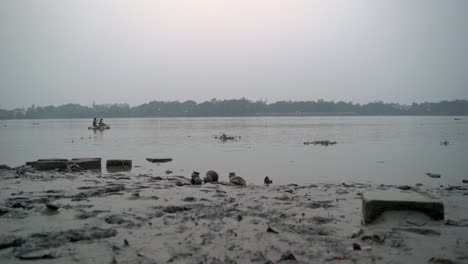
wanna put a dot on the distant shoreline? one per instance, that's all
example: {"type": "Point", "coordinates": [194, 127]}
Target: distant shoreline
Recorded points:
{"type": "Point", "coordinates": [239, 108]}
{"type": "Point", "coordinates": [239, 116]}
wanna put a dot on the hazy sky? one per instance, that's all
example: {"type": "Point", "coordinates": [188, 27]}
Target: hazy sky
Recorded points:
{"type": "Point", "coordinates": [135, 51]}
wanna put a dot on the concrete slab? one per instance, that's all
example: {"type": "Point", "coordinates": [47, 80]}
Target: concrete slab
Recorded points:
{"type": "Point", "coordinates": [62, 160]}
{"type": "Point", "coordinates": [88, 163]}
{"type": "Point", "coordinates": [376, 202]}
{"type": "Point", "coordinates": [50, 164]}
{"type": "Point", "coordinates": [119, 163]}
{"type": "Point", "coordinates": [159, 160]}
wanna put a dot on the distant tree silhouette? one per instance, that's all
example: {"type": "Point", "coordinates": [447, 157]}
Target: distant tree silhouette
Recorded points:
{"type": "Point", "coordinates": [236, 107]}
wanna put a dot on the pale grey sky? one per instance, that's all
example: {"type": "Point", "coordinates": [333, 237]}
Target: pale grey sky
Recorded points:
{"type": "Point", "coordinates": [135, 51]}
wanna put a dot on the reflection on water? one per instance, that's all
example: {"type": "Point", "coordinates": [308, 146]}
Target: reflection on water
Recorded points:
{"type": "Point", "coordinates": [397, 150]}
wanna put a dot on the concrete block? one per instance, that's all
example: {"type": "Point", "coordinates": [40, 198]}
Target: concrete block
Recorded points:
{"type": "Point", "coordinates": [376, 202]}
{"type": "Point", "coordinates": [88, 163]}
{"type": "Point", "coordinates": [50, 164]}
{"type": "Point", "coordinates": [160, 160]}
{"type": "Point", "coordinates": [61, 160]}
{"type": "Point", "coordinates": [119, 163]}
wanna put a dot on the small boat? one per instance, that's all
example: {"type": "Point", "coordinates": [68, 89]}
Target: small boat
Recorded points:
{"type": "Point", "coordinates": [99, 127]}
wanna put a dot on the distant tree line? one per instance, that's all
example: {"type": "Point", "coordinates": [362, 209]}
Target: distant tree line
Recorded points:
{"type": "Point", "coordinates": [236, 107]}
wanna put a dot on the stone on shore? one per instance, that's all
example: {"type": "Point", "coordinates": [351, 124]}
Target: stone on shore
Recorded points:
{"type": "Point", "coordinates": [213, 175]}
{"type": "Point", "coordinates": [376, 202]}
{"type": "Point", "coordinates": [50, 164]}
{"type": "Point", "coordinates": [196, 181]}
{"type": "Point", "coordinates": [237, 180]}
{"type": "Point", "coordinates": [88, 163]}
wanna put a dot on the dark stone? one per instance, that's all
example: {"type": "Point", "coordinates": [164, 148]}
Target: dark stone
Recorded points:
{"type": "Point", "coordinates": [196, 181]}
{"type": "Point", "coordinates": [52, 207]}
{"type": "Point", "coordinates": [208, 178]}
{"type": "Point", "coordinates": [213, 174]}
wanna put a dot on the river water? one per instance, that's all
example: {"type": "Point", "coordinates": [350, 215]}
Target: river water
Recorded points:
{"type": "Point", "coordinates": [389, 150]}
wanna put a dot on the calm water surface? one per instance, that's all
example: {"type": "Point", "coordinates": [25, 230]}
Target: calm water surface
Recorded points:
{"type": "Point", "coordinates": [391, 150]}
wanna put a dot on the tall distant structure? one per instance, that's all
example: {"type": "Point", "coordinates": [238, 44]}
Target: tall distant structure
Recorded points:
{"type": "Point", "coordinates": [94, 104]}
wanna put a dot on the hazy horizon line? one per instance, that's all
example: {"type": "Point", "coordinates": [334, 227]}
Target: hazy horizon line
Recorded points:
{"type": "Point", "coordinates": [234, 99]}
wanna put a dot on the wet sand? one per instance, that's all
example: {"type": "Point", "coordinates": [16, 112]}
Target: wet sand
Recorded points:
{"type": "Point", "coordinates": [128, 218]}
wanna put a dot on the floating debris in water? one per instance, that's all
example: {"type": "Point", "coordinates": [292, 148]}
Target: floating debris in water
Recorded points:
{"type": "Point", "coordinates": [325, 143]}
{"type": "Point", "coordinates": [224, 137]}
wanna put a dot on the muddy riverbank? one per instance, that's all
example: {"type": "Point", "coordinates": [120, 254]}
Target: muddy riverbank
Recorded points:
{"type": "Point", "coordinates": [93, 217]}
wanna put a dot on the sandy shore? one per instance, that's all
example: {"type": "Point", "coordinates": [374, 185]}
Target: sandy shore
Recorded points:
{"type": "Point", "coordinates": [128, 218]}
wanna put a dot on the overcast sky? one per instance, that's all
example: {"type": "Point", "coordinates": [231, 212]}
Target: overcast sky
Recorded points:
{"type": "Point", "coordinates": [135, 51]}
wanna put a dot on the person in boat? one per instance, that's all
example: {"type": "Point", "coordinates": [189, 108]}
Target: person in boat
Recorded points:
{"type": "Point", "coordinates": [101, 122]}
{"type": "Point", "coordinates": [95, 122]}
